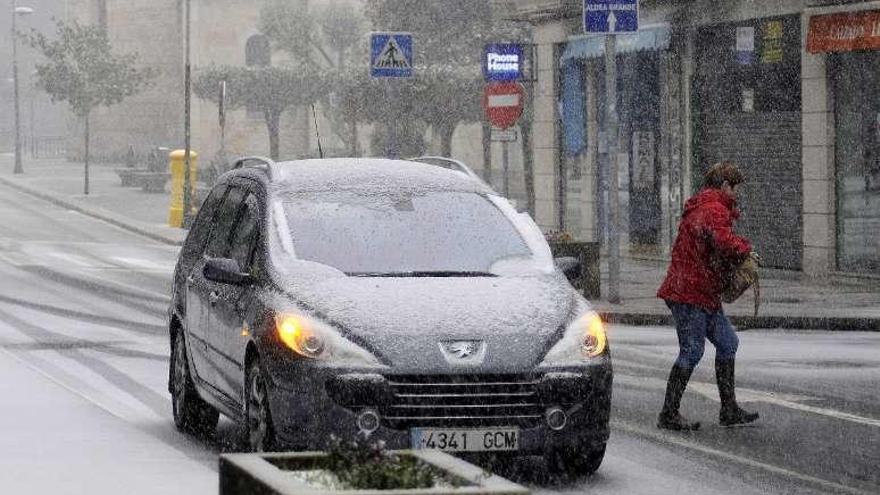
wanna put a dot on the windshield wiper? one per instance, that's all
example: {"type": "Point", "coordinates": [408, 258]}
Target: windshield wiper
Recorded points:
{"type": "Point", "coordinates": [444, 273]}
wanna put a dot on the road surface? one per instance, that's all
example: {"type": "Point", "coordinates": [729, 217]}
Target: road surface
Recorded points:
{"type": "Point", "coordinates": [84, 363]}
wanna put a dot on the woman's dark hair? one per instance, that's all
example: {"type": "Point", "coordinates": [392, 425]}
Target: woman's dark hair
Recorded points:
{"type": "Point", "coordinates": [723, 172]}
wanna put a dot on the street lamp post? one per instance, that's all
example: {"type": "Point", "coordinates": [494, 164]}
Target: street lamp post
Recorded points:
{"type": "Point", "coordinates": [17, 11]}
{"type": "Point", "coordinates": [187, 116]}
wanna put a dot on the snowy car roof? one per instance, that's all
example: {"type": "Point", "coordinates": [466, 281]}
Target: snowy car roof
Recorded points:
{"type": "Point", "coordinates": [371, 176]}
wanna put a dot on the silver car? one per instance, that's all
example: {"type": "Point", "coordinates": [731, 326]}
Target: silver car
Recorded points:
{"type": "Point", "coordinates": [390, 298]}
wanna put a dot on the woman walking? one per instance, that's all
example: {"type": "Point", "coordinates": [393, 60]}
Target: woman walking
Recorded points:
{"type": "Point", "coordinates": [704, 251]}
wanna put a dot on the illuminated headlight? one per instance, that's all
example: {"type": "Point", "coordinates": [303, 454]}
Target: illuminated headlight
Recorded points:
{"type": "Point", "coordinates": [301, 335]}
{"type": "Point", "coordinates": [583, 340]}
{"type": "Point", "coordinates": [315, 340]}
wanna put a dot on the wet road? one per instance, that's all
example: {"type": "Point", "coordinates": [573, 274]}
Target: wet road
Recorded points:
{"type": "Point", "coordinates": [83, 356]}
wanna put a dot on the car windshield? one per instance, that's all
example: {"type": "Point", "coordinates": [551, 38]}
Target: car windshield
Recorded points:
{"type": "Point", "coordinates": [434, 234]}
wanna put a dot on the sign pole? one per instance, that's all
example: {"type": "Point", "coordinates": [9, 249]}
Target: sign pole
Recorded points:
{"type": "Point", "coordinates": [391, 56]}
{"type": "Point", "coordinates": [222, 118]}
{"type": "Point", "coordinates": [614, 199]}
{"type": "Point", "coordinates": [187, 116]}
{"type": "Point", "coordinates": [393, 148]}
{"type": "Point", "coordinates": [505, 163]}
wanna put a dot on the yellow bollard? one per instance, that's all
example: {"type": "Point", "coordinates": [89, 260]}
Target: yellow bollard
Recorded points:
{"type": "Point", "coordinates": [176, 159]}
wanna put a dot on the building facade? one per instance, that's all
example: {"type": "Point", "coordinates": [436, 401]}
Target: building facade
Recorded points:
{"type": "Point", "coordinates": [224, 32]}
{"type": "Point", "coordinates": [788, 90]}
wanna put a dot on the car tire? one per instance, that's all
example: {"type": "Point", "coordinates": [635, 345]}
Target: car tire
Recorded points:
{"type": "Point", "coordinates": [576, 462]}
{"type": "Point", "coordinates": [259, 430]}
{"type": "Point", "coordinates": [191, 413]}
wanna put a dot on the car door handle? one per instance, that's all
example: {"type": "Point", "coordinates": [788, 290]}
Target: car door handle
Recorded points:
{"type": "Point", "coordinates": [213, 297]}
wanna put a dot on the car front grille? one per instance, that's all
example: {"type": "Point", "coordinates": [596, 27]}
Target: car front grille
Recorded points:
{"type": "Point", "coordinates": [462, 400]}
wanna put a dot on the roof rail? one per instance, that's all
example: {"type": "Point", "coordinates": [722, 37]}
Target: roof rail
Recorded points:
{"type": "Point", "coordinates": [261, 161]}
{"type": "Point", "coordinates": [450, 163]}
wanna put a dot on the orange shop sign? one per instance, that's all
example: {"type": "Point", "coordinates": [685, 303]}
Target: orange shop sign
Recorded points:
{"type": "Point", "coordinates": [844, 32]}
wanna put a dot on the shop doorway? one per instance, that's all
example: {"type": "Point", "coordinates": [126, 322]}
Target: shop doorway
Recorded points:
{"type": "Point", "coordinates": [856, 85]}
{"type": "Point", "coordinates": [747, 104]}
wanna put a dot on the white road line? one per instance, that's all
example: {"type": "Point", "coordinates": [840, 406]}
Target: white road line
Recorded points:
{"type": "Point", "coordinates": [141, 263]}
{"type": "Point", "coordinates": [663, 438]}
{"type": "Point", "coordinates": [76, 385]}
{"type": "Point", "coordinates": [79, 260]}
{"type": "Point", "coordinates": [15, 259]}
{"type": "Point", "coordinates": [85, 382]}
{"type": "Point", "coordinates": [789, 401]}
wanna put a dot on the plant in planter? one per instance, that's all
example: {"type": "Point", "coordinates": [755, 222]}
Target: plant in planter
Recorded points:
{"type": "Point", "coordinates": [365, 465]}
{"type": "Point", "coordinates": [586, 279]}
{"type": "Point", "coordinates": [358, 467]}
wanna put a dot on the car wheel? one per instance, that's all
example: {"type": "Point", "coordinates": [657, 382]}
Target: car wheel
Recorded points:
{"type": "Point", "coordinates": [191, 413]}
{"type": "Point", "coordinates": [576, 462]}
{"type": "Point", "coordinates": [258, 418]}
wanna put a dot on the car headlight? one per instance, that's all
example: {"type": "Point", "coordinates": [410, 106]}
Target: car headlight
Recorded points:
{"type": "Point", "coordinates": [313, 339]}
{"type": "Point", "coordinates": [301, 335]}
{"type": "Point", "coordinates": [584, 339]}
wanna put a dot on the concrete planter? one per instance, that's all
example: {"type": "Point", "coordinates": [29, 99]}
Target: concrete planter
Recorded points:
{"type": "Point", "coordinates": [274, 474]}
{"type": "Point", "coordinates": [589, 282]}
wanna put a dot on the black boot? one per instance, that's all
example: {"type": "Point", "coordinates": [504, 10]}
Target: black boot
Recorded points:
{"type": "Point", "coordinates": [669, 418]}
{"type": "Point", "coordinates": [731, 414]}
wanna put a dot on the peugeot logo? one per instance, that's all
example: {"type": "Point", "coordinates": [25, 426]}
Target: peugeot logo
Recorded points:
{"type": "Point", "coordinates": [463, 350]}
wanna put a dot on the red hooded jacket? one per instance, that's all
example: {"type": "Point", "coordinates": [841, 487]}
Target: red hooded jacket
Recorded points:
{"type": "Point", "coordinates": [705, 243]}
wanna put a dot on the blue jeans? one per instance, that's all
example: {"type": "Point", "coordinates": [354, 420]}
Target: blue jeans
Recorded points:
{"type": "Point", "coordinates": [694, 325]}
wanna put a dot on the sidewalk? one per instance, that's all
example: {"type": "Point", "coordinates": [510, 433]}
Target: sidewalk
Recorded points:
{"type": "Point", "coordinates": [61, 182]}
{"type": "Point", "coordinates": [788, 299]}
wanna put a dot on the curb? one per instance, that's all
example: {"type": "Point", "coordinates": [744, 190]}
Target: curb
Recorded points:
{"type": "Point", "coordinates": [755, 322]}
{"type": "Point", "coordinates": [94, 212]}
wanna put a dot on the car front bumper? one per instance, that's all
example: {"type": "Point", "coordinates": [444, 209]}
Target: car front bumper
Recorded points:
{"type": "Point", "coordinates": [307, 408]}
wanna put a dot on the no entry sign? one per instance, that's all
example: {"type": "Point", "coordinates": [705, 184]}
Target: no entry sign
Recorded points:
{"type": "Point", "coordinates": [503, 103]}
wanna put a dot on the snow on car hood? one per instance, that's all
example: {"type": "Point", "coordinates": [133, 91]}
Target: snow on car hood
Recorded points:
{"type": "Point", "coordinates": [404, 321]}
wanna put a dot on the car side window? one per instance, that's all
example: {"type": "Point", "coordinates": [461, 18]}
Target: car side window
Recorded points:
{"type": "Point", "coordinates": [198, 235]}
{"type": "Point", "coordinates": [224, 218]}
{"type": "Point", "coordinates": [245, 233]}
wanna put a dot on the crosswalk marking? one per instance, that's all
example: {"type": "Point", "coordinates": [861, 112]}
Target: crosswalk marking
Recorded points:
{"type": "Point", "coordinates": [789, 401]}
{"type": "Point", "coordinates": [53, 255]}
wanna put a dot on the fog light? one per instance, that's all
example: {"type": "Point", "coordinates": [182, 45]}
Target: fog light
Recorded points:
{"type": "Point", "coordinates": [556, 418]}
{"type": "Point", "coordinates": [368, 421]}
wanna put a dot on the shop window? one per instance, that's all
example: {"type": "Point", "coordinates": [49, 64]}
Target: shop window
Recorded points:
{"type": "Point", "coordinates": [856, 86]}
{"type": "Point", "coordinates": [752, 66]}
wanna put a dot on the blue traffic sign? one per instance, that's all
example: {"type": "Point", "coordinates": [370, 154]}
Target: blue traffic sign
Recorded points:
{"type": "Point", "coordinates": [611, 16]}
{"type": "Point", "coordinates": [503, 62]}
{"type": "Point", "coordinates": [391, 55]}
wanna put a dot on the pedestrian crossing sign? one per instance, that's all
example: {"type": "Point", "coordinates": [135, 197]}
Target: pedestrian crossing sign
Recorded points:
{"type": "Point", "coordinates": [391, 55]}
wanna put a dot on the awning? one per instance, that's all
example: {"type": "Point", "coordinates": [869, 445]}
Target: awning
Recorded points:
{"type": "Point", "coordinates": [584, 47]}
{"type": "Point", "coordinates": [572, 108]}
{"type": "Point", "coordinates": [844, 32]}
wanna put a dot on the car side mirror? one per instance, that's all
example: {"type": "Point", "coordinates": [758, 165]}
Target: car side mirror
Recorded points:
{"type": "Point", "coordinates": [569, 266]}
{"type": "Point", "coordinates": [226, 271]}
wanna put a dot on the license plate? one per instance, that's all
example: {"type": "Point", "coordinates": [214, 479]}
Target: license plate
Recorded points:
{"type": "Point", "coordinates": [465, 439]}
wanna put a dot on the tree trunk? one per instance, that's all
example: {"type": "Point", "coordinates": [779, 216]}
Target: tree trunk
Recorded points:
{"type": "Point", "coordinates": [446, 133]}
{"type": "Point", "coordinates": [487, 152]}
{"type": "Point", "coordinates": [528, 166]}
{"type": "Point", "coordinates": [86, 159]}
{"type": "Point", "coordinates": [353, 135]}
{"type": "Point", "coordinates": [273, 120]}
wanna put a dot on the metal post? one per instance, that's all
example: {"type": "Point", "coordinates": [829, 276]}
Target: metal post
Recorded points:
{"type": "Point", "coordinates": [33, 138]}
{"type": "Point", "coordinates": [17, 169]}
{"type": "Point", "coordinates": [505, 163]}
{"type": "Point", "coordinates": [187, 180]}
{"type": "Point", "coordinates": [222, 119]}
{"type": "Point", "coordinates": [393, 150]}
{"type": "Point", "coordinates": [612, 124]}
